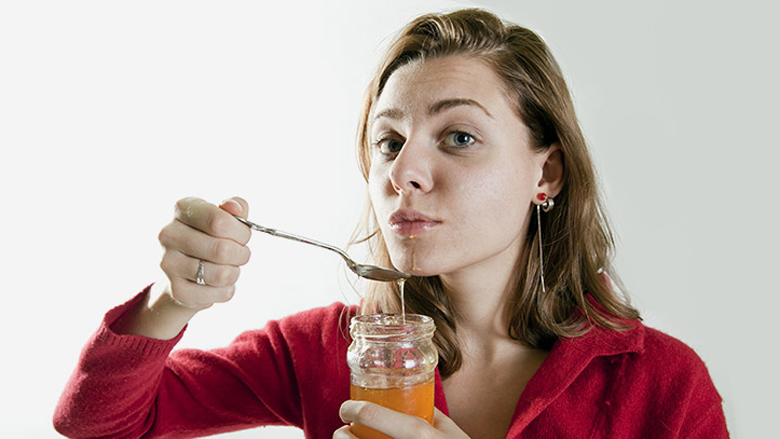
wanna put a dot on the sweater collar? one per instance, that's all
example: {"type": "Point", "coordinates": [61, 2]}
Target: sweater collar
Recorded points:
{"type": "Point", "coordinates": [567, 359]}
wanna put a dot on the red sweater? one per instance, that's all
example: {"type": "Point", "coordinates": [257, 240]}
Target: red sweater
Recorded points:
{"type": "Point", "coordinates": [638, 383]}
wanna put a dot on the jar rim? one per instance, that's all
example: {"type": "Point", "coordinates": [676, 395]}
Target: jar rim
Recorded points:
{"type": "Point", "coordinates": [389, 325]}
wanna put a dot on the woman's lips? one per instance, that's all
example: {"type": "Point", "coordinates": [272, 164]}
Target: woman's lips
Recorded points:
{"type": "Point", "coordinates": [409, 222]}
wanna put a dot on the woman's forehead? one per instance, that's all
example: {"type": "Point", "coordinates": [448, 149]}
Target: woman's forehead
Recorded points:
{"type": "Point", "coordinates": [430, 86]}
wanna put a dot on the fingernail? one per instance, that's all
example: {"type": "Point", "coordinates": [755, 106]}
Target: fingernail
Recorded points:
{"type": "Point", "coordinates": [234, 202]}
{"type": "Point", "coordinates": [346, 410]}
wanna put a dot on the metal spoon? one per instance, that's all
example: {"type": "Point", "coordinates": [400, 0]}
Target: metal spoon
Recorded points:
{"type": "Point", "coordinates": [363, 270]}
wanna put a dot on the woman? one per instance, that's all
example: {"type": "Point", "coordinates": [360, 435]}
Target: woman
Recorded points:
{"type": "Point", "coordinates": [480, 185]}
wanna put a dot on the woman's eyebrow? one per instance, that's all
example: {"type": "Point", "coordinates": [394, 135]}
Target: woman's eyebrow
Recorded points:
{"type": "Point", "coordinates": [446, 104]}
{"type": "Point", "coordinates": [390, 113]}
{"type": "Point", "coordinates": [438, 107]}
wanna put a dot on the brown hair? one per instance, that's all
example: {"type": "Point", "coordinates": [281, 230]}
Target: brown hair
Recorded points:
{"type": "Point", "coordinates": [577, 239]}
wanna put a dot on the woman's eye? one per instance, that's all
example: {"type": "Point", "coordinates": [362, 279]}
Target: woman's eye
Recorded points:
{"type": "Point", "coordinates": [389, 146]}
{"type": "Point", "coordinates": [459, 139]}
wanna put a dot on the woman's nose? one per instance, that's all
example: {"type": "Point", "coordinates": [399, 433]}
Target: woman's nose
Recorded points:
{"type": "Point", "coordinates": [411, 169]}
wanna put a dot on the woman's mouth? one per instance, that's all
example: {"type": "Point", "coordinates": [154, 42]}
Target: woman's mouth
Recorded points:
{"type": "Point", "coordinates": [408, 222]}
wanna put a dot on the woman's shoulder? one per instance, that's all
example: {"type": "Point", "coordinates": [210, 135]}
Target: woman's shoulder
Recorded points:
{"type": "Point", "coordinates": [667, 361]}
{"type": "Point", "coordinates": [660, 345]}
{"type": "Point", "coordinates": [646, 349]}
{"type": "Point", "coordinates": [676, 376]}
{"type": "Point", "coordinates": [668, 356]}
{"type": "Point", "coordinates": [658, 379]}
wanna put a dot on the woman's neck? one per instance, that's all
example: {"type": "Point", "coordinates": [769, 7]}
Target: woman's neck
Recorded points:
{"type": "Point", "coordinates": [478, 295]}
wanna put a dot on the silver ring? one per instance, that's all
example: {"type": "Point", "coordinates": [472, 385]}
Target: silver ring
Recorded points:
{"type": "Point", "coordinates": [199, 278]}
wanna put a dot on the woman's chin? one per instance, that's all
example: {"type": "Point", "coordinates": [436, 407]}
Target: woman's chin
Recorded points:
{"type": "Point", "coordinates": [415, 269]}
{"type": "Point", "coordinates": [415, 261]}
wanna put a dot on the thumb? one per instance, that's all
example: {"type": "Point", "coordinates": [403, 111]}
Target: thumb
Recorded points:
{"type": "Point", "coordinates": [236, 206]}
{"type": "Point", "coordinates": [447, 425]}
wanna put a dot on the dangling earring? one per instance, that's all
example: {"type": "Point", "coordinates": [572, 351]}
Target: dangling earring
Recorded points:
{"type": "Point", "coordinates": [547, 206]}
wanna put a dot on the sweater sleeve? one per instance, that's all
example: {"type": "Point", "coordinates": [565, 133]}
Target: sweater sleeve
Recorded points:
{"type": "Point", "coordinates": [111, 393]}
{"type": "Point", "coordinates": [711, 425]}
{"type": "Point", "coordinates": [131, 386]}
{"type": "Point", "coordinates": [704, 417]}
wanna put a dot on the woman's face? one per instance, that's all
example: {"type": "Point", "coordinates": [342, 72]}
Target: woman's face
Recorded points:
{"type": "Point", "coordinates": [453, 176]}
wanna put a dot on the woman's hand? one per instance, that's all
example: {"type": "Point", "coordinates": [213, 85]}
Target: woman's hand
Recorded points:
{"type": "Point", "coordinates": [204, 232]}
{"type": "Point", "coordinates": [395, 424]}
{"type": "Point", "coordinates": [200, 231]}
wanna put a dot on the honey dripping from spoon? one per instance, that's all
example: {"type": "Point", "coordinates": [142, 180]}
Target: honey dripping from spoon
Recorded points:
{"type": "Point", "coordinates": [401, 283]}
{"type": "Point", "coordinates": [414, 248]}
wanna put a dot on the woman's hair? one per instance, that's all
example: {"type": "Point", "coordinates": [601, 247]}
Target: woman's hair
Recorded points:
{"type": "Point", "coordinates": [577, 239]}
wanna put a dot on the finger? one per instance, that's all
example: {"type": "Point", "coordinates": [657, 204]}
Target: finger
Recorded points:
{"type": "Point", "coordinates": [390, 422]}
{"type": "Point", "coordinates": [184, 286]}
{"type": "Point", "coordinates": [236, 206]}
{"type": "Point", "coordinates": [211, 220]}
{"type": "Point", "coordinates": [446, 425]}
{"type": "Point", "coordinates": [180, 266]}
{"type": "Point", "coordinates": [194, 243]}
{"type": "Point", "coordinates": [439, 417]}
{"type": "Point", "coordinates": [344, 433]}
{"type": "Point", "coordinates": [199, 297]}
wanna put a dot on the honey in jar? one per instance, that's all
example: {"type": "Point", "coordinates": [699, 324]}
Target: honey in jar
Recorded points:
{"type": "Point", "coordinates": [392, 361]}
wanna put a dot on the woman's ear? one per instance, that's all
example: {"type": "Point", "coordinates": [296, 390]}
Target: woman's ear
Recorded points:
{"type": "Point", "coordinates": [552, 171]}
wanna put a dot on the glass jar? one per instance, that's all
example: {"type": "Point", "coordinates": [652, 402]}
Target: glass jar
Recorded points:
{"type": "Point", "coordinates": [392, 360]}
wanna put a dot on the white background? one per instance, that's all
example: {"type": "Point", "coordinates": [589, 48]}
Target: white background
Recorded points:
{"type": "Point", "coordinates": [111, 111]}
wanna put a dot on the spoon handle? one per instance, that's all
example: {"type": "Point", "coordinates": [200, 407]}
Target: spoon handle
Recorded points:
{"type": "Point", "coordinates": [293, 237]}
